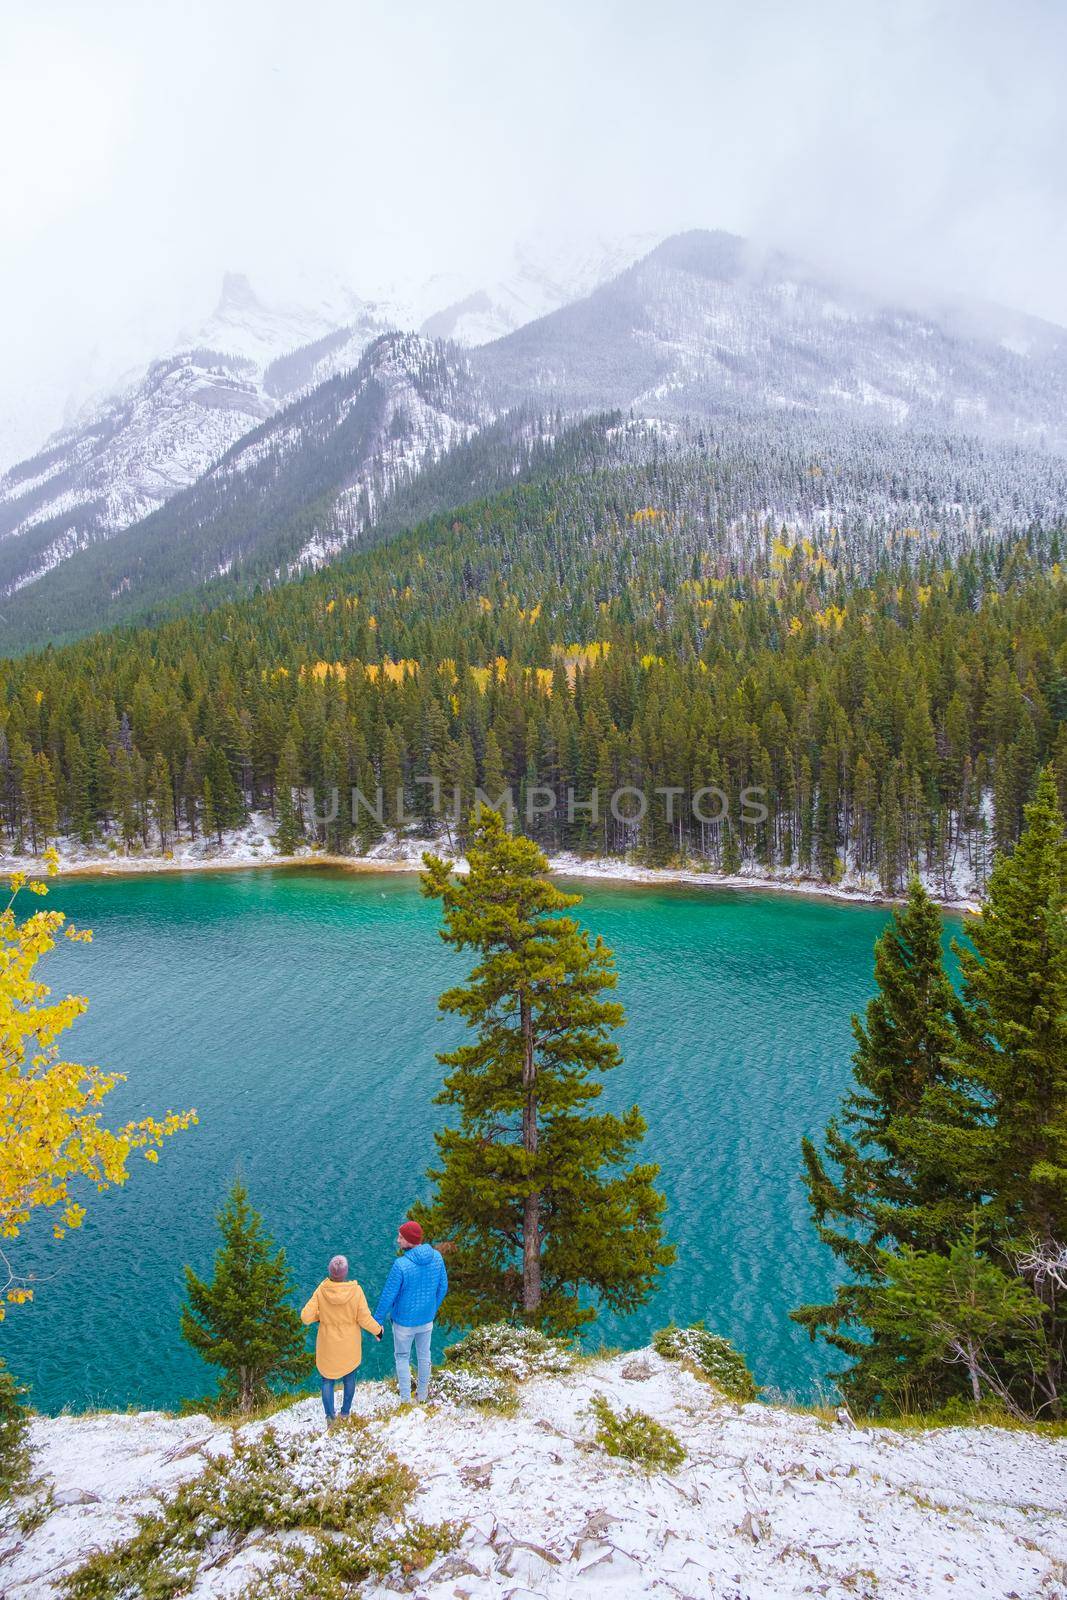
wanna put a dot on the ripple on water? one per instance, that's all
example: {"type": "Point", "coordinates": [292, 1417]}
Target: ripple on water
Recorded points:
{"type": "Point", "coordinates": [296, 1010]}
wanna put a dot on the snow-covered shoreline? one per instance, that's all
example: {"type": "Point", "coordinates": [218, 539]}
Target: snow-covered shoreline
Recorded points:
{"type": "Point", "coordinates": [768, 1504]}
{"type": "Point", "coordinates": [252, 846]}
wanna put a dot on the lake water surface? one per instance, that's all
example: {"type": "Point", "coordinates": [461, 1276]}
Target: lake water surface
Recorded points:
{"type": "Point", "coordinates": [297, 1011]}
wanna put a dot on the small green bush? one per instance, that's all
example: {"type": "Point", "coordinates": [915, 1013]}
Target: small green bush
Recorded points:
{"type": "Point", "coordinates": [336, 1568]}
{"type": "Point", "coordinates": [14, 1421]}
{"type": "Point", "coordinates": [635, 1436]}
{"type": "Point", "coordinates": [462, 1386]}
{"type": "Point", "coordinates": [711, 1356]}
{"type": "Point", "coordinates": [321, 1487]}
{"type": "Point", "coordinates": [511, 1352]}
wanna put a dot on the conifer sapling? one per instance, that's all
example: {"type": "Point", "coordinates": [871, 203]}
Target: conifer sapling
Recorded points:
{"type": "Point", "coordinates": [241, 1320]}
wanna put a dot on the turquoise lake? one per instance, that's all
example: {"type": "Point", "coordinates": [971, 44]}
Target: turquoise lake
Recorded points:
{"type": "Point", "coordinates": [297, 1011]}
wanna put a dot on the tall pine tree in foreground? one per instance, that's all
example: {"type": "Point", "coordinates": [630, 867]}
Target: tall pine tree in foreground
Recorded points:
{"type": "Point", "coordinates": [242, 1320]}
{"type": "Point", "coordinates": [1014, 1060]}
{"type": "Point", "coordinates": [869, 1187]}
{"type": "Point", "coordinates": [956, 1230]}
{"type": "Point", "coordinates": [535, 1190]}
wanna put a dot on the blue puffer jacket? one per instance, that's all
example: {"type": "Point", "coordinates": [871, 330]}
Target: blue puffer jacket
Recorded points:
{"type": "Point", "coordinates": [414, 1289]}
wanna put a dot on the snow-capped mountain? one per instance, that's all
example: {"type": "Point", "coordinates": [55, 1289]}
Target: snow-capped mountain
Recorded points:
{"type": "Point", "coordinates": [288, 493]}
{"type": "Point", "coordinates": [244, 325]}
{"type": "Point", "coordinates": [126, 454]}
{"type": "Point", "coordinates": [276, 454]}
{"type": "Point", "coordinates": [540, 279]}
{"type": "Point", "coordinates": [354, 438]}
{"type": "Point", "coordinates": [705, 324]}
{"type": "Point", "coordinates": [135, 452]}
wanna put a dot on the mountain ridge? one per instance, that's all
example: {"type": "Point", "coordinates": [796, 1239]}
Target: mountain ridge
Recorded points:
{"type": "Point", "coordinates": [703, 326]}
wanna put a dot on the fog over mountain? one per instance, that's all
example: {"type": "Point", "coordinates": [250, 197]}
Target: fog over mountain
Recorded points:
{"type": "Point", "coordinates": [230, 464]}
{"type": "Point", "coordinates": [913, 150]}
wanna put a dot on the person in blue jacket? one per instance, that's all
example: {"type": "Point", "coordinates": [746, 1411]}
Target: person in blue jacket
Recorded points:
{"type": "Point", "coordinates": [411, 1298]}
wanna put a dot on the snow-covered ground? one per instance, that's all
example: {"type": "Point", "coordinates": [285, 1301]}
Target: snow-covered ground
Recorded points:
{"type": "Point", "coordinates": [768, 1503]}
{"type": "Point", "coordinates": [253, 845]}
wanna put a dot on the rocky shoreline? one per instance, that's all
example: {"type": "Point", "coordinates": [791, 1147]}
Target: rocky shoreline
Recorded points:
{"type": "Point", "coordinates": [252, 847]}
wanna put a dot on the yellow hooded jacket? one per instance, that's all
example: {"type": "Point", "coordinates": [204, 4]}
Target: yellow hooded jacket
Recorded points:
{"type": "Point", "coordinates": [340, 1309]}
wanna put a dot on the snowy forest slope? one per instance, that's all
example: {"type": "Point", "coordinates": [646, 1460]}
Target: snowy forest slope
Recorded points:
{"type": "Point", "coordinates": [232, 470]}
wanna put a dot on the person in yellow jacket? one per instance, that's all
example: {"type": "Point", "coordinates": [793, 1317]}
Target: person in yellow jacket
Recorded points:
{"type": "Point", "coordinates": [340, 1308]}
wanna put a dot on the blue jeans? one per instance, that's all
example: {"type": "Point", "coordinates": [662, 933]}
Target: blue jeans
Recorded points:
{"type": "Point", "coordinates": [349, 1381]}
{"type": "Point", "coordinates": [403, 1338]}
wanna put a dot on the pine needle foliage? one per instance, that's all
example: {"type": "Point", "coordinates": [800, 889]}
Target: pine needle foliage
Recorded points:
{"type": "Point", "coordinates": [870, 1187]}
{"type": "Point", "coordinates": [942, 1189]}
{"type": "Point", "coordinates": [242, 1320]}
{"type": "Point", "coordinates": [14, 1422]}
{"type": "Point", "coordinates": [636, 1437]}
{"type": "Point", "coordinates": [710, 1355]}
{"type": "Point", "coordinates": [535, 1189]}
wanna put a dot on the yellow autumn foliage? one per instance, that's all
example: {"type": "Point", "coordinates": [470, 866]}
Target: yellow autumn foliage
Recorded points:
{"type": "Point", "coordinates": [320, 669]}
{"type": "Point", "coordinates": [392, 671]}
{"type": "Point", "coordinates": [50, 1129]}
{"type": "Point", "coordinates": [583, 655]}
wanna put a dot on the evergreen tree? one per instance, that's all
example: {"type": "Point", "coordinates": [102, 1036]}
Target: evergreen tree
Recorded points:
{"type": "Point", "coordinates": [226, 798]}
{"type": "Point", "coordinates": [392, 785]}
{"type": "Point", "coordinates": [79, 783]}
{"type": "Point", "coordinates": [494, 781]}
{"type": "Point", "coordinates": [14, 1427]}
{"type": "Point", "coordinates": [870, 1186]}
{"type": "Point", "coordinates": [534, 1188]}
{"type": "Point", "coordinates": [287, 779]}
{"type": "Point", "coordinates": [162, 799]}
{"type": "Point", "coordinates": [961, 1312]}
{"type": "Point", "coordinates": [124, 797]}
{"type": "Point", "coordinates": [899, 724]}
{"type": "Point", "coordinates": [210, 818]}
{"type": "Point", "coordinates": [1013, 1058]}
{"type": "Point", "coordinates": [241, 1321]}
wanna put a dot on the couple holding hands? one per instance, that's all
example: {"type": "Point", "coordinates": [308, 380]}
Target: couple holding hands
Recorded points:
{"type": "Point", "coordinates": [411, 1297]}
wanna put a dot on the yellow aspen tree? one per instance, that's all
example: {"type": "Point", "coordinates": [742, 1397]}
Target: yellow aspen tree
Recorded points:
{"type": "Point", "coordinates": [51, 1135]}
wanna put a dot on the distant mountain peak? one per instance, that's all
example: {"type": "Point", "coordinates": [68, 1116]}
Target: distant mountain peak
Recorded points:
{"type": "Point", "coordinates": [706, 252]}
{"type": "Point", "coordinates": [237, 295]}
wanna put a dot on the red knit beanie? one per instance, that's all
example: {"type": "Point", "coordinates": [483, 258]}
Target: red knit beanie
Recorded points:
{"type": "Point", "coordinates": [411, 1233]}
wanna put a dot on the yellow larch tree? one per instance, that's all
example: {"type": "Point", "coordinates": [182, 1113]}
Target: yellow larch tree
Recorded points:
{"type": "Point", "coordinates": [51, 1135]}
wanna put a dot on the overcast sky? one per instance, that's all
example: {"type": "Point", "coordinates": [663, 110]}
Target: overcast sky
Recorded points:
{"type": "Point", "coordinates": [146, 147]}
